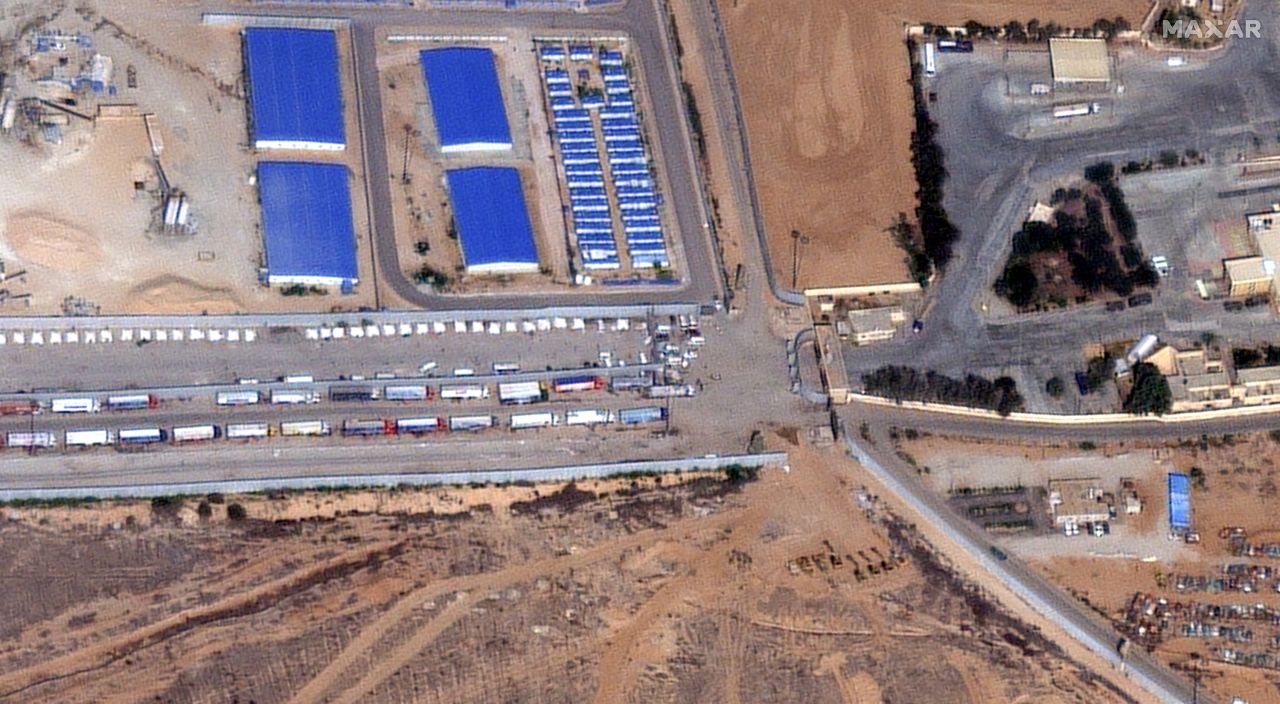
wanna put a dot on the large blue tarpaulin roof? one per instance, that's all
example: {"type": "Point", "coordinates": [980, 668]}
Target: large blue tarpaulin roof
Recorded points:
{"type": "Point", "coordinates": [1179, 502]}
{"type": "Point", "coordinates": [492, 220]}
{"type": "Point", "coordinates": [294, 89]}
{"type": "Point", "coordinates": [306, 222]}
{"type": "Point", "coordinates": [465, 98]}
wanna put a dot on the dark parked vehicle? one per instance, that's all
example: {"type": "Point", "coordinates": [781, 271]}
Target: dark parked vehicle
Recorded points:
{"type": "Point", "coordinates": [1140, 299]}
{"type": "Point", "coordinates": [1115, 306]}
{"type": "Point", "coordinates": [1233, 306]}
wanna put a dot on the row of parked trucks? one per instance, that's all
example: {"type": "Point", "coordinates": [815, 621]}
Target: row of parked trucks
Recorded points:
{"type": "Point", "coordinates": [135, 437]}
{"type": "Point", "coordinates": [520, 392]}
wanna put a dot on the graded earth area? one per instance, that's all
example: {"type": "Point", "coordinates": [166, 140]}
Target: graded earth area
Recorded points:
{"type": "Point", "coordinates": [795, 585]}
{"type": "Point", "coordinates": [828, 114]}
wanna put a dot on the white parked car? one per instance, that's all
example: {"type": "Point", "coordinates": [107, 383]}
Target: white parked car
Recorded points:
{"type": "Point", "coordinates": [1160, 264]}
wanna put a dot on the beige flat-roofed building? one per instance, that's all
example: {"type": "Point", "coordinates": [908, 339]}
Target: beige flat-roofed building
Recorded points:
{"type": "Point", "coordinates": [1079, 61]}
{"type": "Point", "coordinates": [1258, 386]}
{"type": "Point", "coordinates": [870, 325]}
{"type": "Point", "coordinates": [1077, 501]}
{"type": "Point", "coordinates": [1248, 276]}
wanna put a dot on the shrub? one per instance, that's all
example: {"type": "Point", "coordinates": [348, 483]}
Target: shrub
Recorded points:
{"type": "Point", "coordinates": [236, 512]}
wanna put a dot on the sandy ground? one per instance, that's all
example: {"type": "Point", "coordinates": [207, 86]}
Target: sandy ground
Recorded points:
{"type": "Point", "coordinates": [1138, 557]}
{"type": "Point", "coordinates": [795, 587]}
{"type": "Point", "coordinates": [828, 112]}
{"type": "Point", "coordinates": [189, 78]}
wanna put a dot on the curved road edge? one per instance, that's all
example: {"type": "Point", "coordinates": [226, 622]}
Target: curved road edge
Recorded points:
{"type": "Point", "coordinates": [1046, 599]}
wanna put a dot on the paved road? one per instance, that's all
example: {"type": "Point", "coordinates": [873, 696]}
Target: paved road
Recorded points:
{"type": "Point", "coordinates": [1047, 599]}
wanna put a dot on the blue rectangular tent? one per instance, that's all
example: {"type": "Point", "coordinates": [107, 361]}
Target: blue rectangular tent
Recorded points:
{"type": "Point", "coordinates": [295, 95]}
{"type": "Point", "coordinates": [492, 220]}
{"type": "Point", "coordinates": [466, 99]}
{"type": "Point", "coordinates": [307, 228]}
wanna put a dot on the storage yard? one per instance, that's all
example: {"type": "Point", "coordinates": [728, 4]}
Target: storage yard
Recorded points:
{"type": "Point", "coordinates": [162, 156]}
{"type": "Point", "coordinates": [1191, 577]}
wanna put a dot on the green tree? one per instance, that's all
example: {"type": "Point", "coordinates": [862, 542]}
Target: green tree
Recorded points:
{"type": "Point", "coordinates": [1019, 284]}
{"type": "Point", "coordinates": [1055, 388]}
{"type": "Point", "coordinates": [236, 512]}
{"type": "Point", "coordinates": [1150, 393]}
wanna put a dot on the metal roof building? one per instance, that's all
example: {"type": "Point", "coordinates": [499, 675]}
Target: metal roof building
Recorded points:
{"type": "Point", "coordinates": [1179, 503]}
{"type": "Point", "coordinates": [295, 96]}
{"type": "Point", "coordinates": [307, 226]}
{"type": "Point", "coordinates": [1079, 60]}
{"type": "Point", "coordinates": [466, 99]}
{"type": "Point", "coordinates": [492, 220]}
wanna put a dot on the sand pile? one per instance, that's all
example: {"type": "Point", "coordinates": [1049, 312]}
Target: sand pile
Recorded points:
{"type": "Point", "coordinates": [41, 240]}
{"type": "Point", "coordinates": [178, 295]}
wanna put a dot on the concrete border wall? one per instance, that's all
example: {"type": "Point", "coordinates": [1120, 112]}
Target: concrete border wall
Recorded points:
{"type": "Point", "coordinates": [1082, 419]}
{"type": "Point", "coordinates": [248, 19]}
{"type": "Point", "coordinates": [460, 477]}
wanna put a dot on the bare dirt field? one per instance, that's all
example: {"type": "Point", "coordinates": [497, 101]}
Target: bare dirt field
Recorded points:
{"type": "Point", "coordinates": [828, 113]}
{"type": "Point", "coordinates": [1123, 576]}
{"type": "Point", "coordinates": [794, 587]}
{"type": "Point", "coordinates": [83, 219]}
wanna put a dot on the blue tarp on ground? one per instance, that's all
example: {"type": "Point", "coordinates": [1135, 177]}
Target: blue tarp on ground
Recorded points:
{"type": "Point", "coordinates": [294, 90]}
{"type": "Point", "coordinates": [306, 222]}
{"type": "Point", "coordinates": [492, 220]}
{"type": "Point", "coordinates": [1179, 503]}
{"type": "Point", "coordinates": [466, 98]}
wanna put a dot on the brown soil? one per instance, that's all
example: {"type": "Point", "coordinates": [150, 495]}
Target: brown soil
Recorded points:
{"type": "Point", "coordinates": [178, 295]}
{"type": "Point", "coordinates": [828, 113]}
{"type": "Point", "coordinates": [679, 589]}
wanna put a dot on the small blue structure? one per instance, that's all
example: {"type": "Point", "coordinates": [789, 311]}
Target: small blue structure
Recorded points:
{"type": "Point", "coordinates": [307, 226]}
{"type": "Point", "coordinates": [1179, 503]}
{"type": "Point", "coordinates": [294, 92]}
{"type": "Point", "coordinates": [466, 99]}
{"type": "Point", "coordinates": [492, 220]}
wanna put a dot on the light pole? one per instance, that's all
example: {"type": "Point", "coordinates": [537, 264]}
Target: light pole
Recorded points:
{"type": "Point", "coordinates": [797, 239]}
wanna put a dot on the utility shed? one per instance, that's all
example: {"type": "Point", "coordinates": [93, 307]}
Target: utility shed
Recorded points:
{"type": "Point", "coordinates": [466, 99]}
{"type": "Point", "coordinates": [492, 220]}
{"type": "Point", "coordinates": [295, 97]}
{"type": "Point", "coordinates": [1079, 61]}
{"type": "Point", "coordinates": [307, 226]}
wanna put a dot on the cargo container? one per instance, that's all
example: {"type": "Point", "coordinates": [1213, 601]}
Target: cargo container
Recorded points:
{"type": "Point", "coordinates": [470, 423]}
{"type": "Point", "coordinates": [1077, 110]}
{"type": "Point", "coordinates": [671, 391]}
{"type": "Point", "coordinates": [955, 46]}
{"type": "Point", "coordinates": [141, 436]}
{"type": "Point", "coordinates": [628, 383]}
{"type": "Point", "coordinates": [637, 416]}
{"type": "Point", "coordinates": [588, 416]}
{"type": "Point", "coordinates": [521, 392]}
{"type": "Point", "coordinates": [930, 60]}
{"type": "Point", "coordinates": [524, 421]}
{"type": "Point", "coordinates": [285, 398]}
{"type": "Point", "coordinates": [238, 398]}
{"type": "Point", "coordinates": [87, 438]}
{"type": "Point", "coordinates": [304, 428]}
{"type": "Point", "coordinates": [19, 408]}
{"type": "Point", "coordinates": [352, 393]}
{"type": "Point", "coordinates": [368, 428]}
{"type": "Point", "coordinates": [578, 383]}
{"type": "Point", "coordinates": [132, 402]}
{"type": "Point", "coordinates": [463, 392]}
{"type": "Point", "coordinates": [416, 392]}
{"type": "Point", "coordinates": [504, 368]}
{"type": "Point", "coordinates": [299, 379]}
{"type": "Point", "coordinates": [418, 426]}
{"type": "Point", "coordinates": [247, 431]}
{"type": "Point", "coordinates": [195, 433]}
{"type": "Point", "coordinates": [31, 440]}
{"type": "Point", "coordinates": [76, 405]}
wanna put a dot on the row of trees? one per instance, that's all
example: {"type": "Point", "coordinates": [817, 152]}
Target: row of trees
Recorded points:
{"type": "Point", "coordinates": [937, 234]}
{"type": "Point", "coordinates": [907, 384]}
{"type": "Point", "coordinates": [1033, 30]}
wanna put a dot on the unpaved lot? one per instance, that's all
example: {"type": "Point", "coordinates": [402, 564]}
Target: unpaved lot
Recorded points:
{"type": "Point", "coordinates": [828, 114]}
{"type": "Point", "coordinates": [793, 587]}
